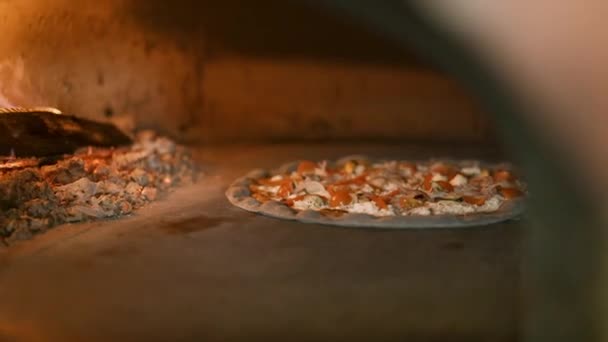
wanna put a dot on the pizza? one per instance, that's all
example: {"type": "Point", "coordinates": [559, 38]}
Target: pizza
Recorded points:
{"type": "Point", "coordinates": [390, 193]}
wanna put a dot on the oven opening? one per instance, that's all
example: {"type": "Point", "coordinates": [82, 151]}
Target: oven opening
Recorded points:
{"type": "Point", "coordinates": [113, 124]}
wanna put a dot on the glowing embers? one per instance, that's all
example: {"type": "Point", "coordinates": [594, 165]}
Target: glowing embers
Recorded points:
{"type": "Point", "coordinates": [93, 183]}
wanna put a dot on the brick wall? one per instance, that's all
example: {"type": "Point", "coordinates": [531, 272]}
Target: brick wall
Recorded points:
{"type": "Point", "coordinates": [228, 71]}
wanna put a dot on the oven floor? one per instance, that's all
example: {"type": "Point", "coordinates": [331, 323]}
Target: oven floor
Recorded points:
{"type": "Point", "coordinates": [194, 268]}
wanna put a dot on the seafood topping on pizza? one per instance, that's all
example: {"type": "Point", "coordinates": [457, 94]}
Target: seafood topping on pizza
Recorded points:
{"type": "Point", "coordinates": [392, 188]}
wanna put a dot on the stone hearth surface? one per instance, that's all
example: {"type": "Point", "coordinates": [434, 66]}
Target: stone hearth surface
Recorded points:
{"type": "Point", "coordinates": [193, 268]}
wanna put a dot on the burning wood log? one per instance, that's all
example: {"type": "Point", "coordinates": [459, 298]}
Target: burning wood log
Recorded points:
{"type": "Point", "coordinates": [42, 132]}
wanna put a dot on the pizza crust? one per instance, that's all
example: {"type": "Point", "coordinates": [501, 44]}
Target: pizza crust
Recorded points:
{"type": "Point", "coordinates": [239, 195]}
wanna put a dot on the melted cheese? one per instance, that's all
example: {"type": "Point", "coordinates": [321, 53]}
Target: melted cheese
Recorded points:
{"type": "Point", "coordinates": [359, 169]}
{"type": "Point", "coordinates": [390, 187]}
{"type": "Point", "coordinates": [367, 188]}
{"type": "Point", "coordinates": [369, 208]}
{"type": "Point", "coordinates": [471, 171]}
{"type": "Point", "coordinates": [270, 188]}
{"type": "Point", "coordinates": [451, 207]}
{"type": "Point", "coordinates": [437, 177]}
{"type": "Point", "coordinates": [422, 211]}
{"type": "Point", "coordinates": [459, 180]}
{"type": "Point", "coordinates": [492, 204]}
{"type": "Point", "coordinates": [309, 202]}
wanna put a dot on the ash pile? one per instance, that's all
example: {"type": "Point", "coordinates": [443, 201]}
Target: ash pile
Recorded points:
{"type": "Point", "coordinates": [93, 183]}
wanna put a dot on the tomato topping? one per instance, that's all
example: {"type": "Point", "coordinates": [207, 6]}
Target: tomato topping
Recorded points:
{"type": "Point", "coordinates": [339, 198]}
{"type": "Point", "coordinates": [445, 186]}
{"type": "Point", "coordinates": [359, 180]}
{"type": "Point", "coordinates": [331, 171]}
{"type": "Point", "coordinates": [331, 188]}
{"type": "Point", "coordinates": [306, 166]}
{"type": "Point", "coordinates": [503, 175]}
{"type": "Point", "coordinates": [481, 181]}
{"type": "Point", "coordinates": [260, 197]}
{"type": "Point", "coordinates": [265, 181]}
{"type": "Point", "coordinates": [380, 203]}
{"type": "Point", "coordinates": [391, 194]}
{"type": "Point", "coordinates": [476, 200]}
{"type": "Point", "coordinates": [444, 170]}
{"type": "Point", "coordinates": [510, 193]}
{"type": "Point", "coordinates": [427, 184]}
{"type": "Point", "coordinates": [285, 188]}
{"type": "Point", "coordinates": [270, 182]}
